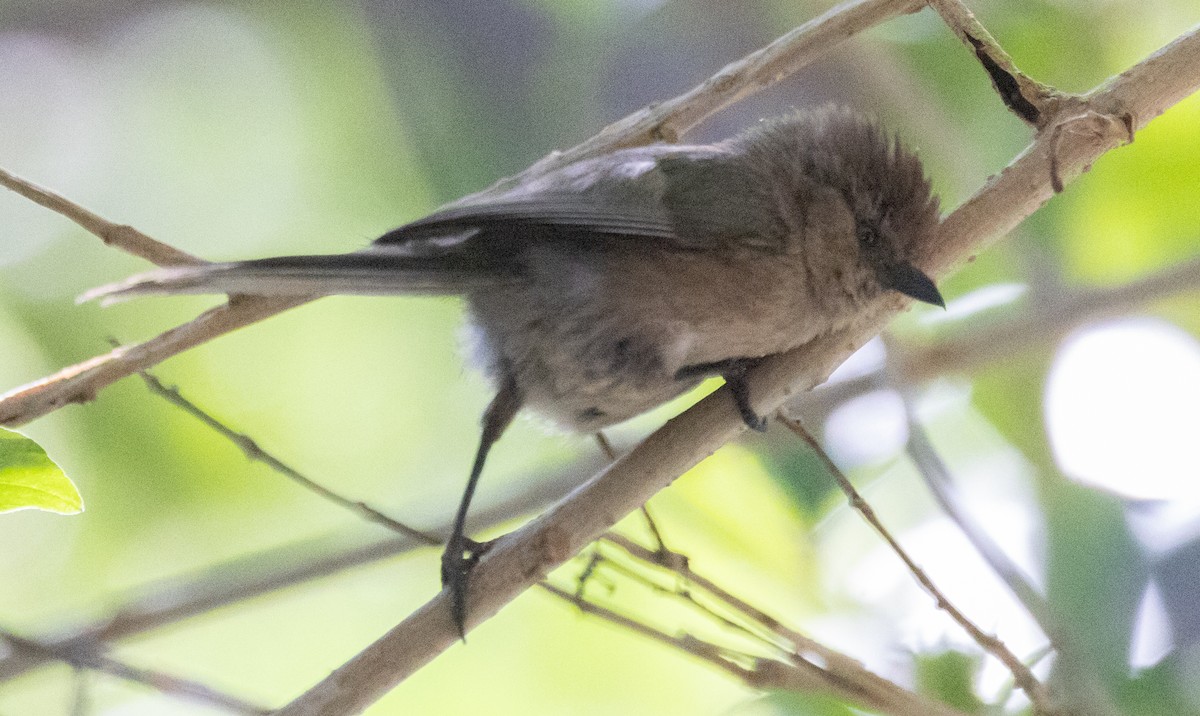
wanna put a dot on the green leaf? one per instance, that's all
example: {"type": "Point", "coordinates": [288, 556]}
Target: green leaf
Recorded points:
{"type": "Point", "coordinates": [950, 677]}
{"type": "Point", "coordinates": [1095, 576]}
{"type": "Point", "coordinates": [1161, 689]}
{"type": "Point", "coordinates": [30, 479]}
{"type": "Point", "coordinates": [791, 703]}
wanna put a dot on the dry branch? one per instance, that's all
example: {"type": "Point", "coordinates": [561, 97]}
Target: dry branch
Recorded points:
{"type": "Point", "coordinates": [94, 660]}
{"type": "Point", "coordinates": [1022, 676]}
{"type": "Point", "coordinates": [1032, 101]}
{"type": "Point", "coordinates": [844, 678]}
{"type": "Point", "coordinates": [1047, 319]}
{"type": "Point", "coordinates": [120, 236]}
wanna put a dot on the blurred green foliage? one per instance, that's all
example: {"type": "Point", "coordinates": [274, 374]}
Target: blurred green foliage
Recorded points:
{"type": "Point", "coordinates": [238, 129]}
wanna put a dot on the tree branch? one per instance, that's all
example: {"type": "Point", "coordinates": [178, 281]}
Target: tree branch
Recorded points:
{"type": "Point", "coordinates": [1048, 318]}
{"type": "Point", "coordinates": [1029, 99]}
{"type": "Point", "coordinates": [168, 684]}
{"type": "Point", "coordinates": [845, 679]}
{"type": "Point", "coordinates": [667, 121]}
{"type": "Point", "coordinates": [1022, 676]}
{"type": "Point", "coordinates": [520, 559]}
{"type": "Point", "coordinates": [126, 238]}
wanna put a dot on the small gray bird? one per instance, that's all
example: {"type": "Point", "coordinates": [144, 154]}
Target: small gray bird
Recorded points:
{"type": "Point", "coordinates": [602, 289]}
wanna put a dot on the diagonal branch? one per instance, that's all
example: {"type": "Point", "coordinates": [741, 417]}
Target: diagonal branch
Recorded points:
{"type": "Point", "coordinates": [1047, 319]}
{"type": "Point", "coordinates": [177, 599]}
{"type": "Point", "coordinates": [668, 120]}
{"type": "Point", "coordinates": [522, 558]}
{"type": "Point", "coordinates": [1027, 98]}
{"type": "Point", "coordinates": [168, 684]}
{"type": "Point", "coordinates": [123, 237]}
{"type": "Point", "coordinates": [1022, 676]}
{"type": "Point", "coordinates": [253, 452]}
{"type": "Point", "coordinates": [847, 679]}
{"type": "Point", "coordinates": [80, 383]}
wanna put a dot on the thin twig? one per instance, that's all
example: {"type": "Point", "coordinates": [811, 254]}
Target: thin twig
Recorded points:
{"type": "Point", "coordinates": [176, 599]}
{"type": "Point", "coordinates": [255, 453]}
{"type": "Point", "coordinates": [605, 446]}
{"type": "Point", "coordinates": [798, 643]}
{"type": "Point", "coordinates": [1023, 677]}
{"type": "Point", "coordinates": [1046, 320]}
{"type": "Point", "coordinates": [707, 652]}
{"type": "Point", "coordinates": [168, 684]}
{"type": "Point", "coordinates": [737, 622]}
{"type": "Point", "coordinates": [861, 687]}
{"type": "Point", "coordinates": [660, 544]}
{"type": "Point", "coordinates": [937, 478]}
{"type": "Point", "coordinates": [744, 621]}
{"type": "Point", "coordinates": [125, 238]}
{"type": "Point", "coordinates": [846, 673]}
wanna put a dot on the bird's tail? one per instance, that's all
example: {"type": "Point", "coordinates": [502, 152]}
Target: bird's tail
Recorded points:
{"type": "Point", "coordinates": [368, 273]}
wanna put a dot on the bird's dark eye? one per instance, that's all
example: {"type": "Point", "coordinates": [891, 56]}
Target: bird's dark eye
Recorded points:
{"type": "Point", "coordinates": [868, 236]}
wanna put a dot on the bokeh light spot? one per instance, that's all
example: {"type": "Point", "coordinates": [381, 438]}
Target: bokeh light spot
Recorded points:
{"type": "Point", "coordinates": [1122, 407]}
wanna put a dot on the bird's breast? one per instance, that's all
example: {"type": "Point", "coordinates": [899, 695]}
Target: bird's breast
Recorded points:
{"type": "Point", "coordinates": [594, 337]}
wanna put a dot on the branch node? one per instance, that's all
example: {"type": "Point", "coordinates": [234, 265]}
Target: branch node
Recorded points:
{"type": "Point", "coordinates": [553, 547]}
{"type": "Point", "coordinates": [1025, 97]}
{"type": "Point", "coordinates": [1102, 129]}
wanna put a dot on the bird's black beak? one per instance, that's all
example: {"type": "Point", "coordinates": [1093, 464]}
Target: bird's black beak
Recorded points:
{"type": "Point", "coordinates": [909, 280]}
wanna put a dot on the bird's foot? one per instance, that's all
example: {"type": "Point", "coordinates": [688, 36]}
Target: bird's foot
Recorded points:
{"type": "Point", "coordinates": [459, 559]}
{"type": "Point", "coordinates": [735, 378]}
{"type": "Point", "coordinates": [733, 370]}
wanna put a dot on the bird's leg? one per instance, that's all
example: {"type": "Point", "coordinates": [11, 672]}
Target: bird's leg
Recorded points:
{"type": "Point", "coordinates": [461, 552]}
{"type": "Point", "coordinates": [733, 370]}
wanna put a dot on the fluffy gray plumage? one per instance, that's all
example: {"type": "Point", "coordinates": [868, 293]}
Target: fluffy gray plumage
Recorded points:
{"type": "Point", "coordinates": [611, 285]}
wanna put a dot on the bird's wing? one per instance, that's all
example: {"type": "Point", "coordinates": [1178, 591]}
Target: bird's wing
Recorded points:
{"type": "Point", "coordinates": [619, 194]}
{"type": "Point", "coordinates": [685, 195]}
{"type": "Point", "coordinates": [580, 212]}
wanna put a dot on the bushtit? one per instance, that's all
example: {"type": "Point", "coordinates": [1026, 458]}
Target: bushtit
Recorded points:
{"type": "Point", "coordinates": [602, 289]}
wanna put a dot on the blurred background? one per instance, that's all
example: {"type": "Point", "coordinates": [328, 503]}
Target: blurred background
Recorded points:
{"type": "Point", "coordinates": [239, 129]}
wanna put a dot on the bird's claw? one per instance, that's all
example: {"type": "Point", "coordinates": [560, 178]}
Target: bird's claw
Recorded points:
{"type": "Point", "coordinates": [459, 559]}
{"type": "Point", "coordinates": [754, 421]}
